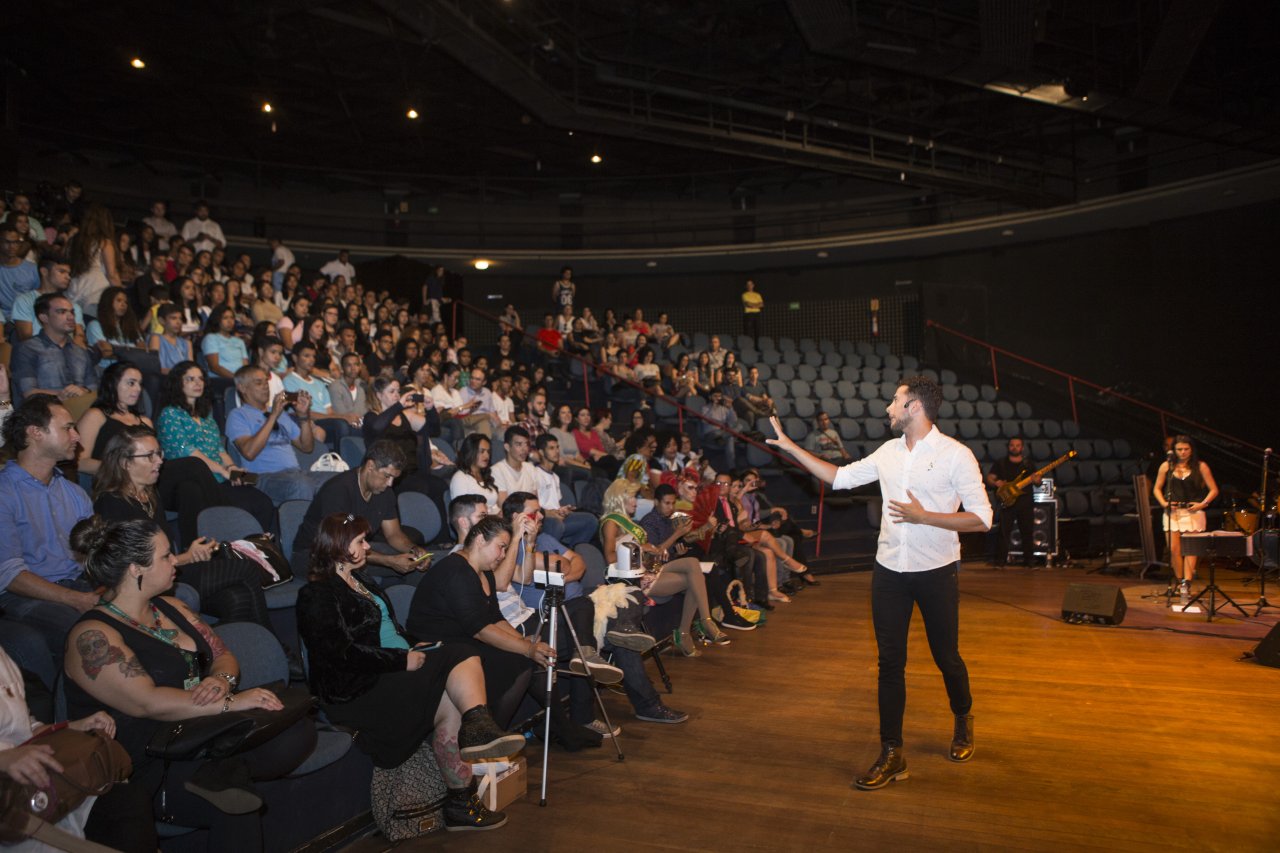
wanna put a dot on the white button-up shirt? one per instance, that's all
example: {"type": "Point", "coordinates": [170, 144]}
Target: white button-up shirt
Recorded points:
{"type": "Point", "coordinates": [943, 475]}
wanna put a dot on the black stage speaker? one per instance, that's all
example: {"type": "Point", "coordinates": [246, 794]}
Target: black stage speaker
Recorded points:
{"type": "Point", "coordinates": [1044, 532]}
{"type": "Point", "coordinates": [1268, 651]}
{"type": "Point", "coordinates": [1094, 603]}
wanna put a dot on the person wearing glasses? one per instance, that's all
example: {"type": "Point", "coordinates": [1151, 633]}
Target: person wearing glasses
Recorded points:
{"type": "Point", "coordinates": [125, 490]}
{"type": "Point", "coordinates": [925, 480]}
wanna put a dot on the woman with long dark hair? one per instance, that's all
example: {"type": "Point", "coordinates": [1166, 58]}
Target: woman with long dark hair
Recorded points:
{"type": "Point", "coordinates": [224, 352]}
{"type": "Point", "coordinates": [147, 660]}
{"type": "Point", "coordinates": [125, 490]}
{"type": "Point", "coordinates": [407, 417]}
{"type": "Point", "coordinates": [184, 293]}
{"type": "Point", "coordinates": [114, 325]}
{"type": "Point", "coordinates": [187, 430]}
{"type": "Point", "coordinates": [373, 677]}
{"type": "Point", "coordinates": [92, 256]}
{"type": "Point", "coordinates": [474, 476]}
{"type": "Point", "coordinates": [1184, 488]}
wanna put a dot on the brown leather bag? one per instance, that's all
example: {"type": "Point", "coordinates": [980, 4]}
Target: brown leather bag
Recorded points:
{"type": "Point", "coordinates": [91, 764]}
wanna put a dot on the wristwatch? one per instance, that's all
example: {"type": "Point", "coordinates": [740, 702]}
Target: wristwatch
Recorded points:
{"type": "Point", "coordinates": [233, 681]}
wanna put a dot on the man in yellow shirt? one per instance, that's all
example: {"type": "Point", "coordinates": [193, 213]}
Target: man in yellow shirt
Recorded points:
{"type": "Point", "coordinates": [752, 306]}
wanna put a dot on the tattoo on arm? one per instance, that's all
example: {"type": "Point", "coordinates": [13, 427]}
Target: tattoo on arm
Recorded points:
{"type": "Point", "coordinates": [97, 653]}
{"type": "Point", "coordinates": [216, 648]}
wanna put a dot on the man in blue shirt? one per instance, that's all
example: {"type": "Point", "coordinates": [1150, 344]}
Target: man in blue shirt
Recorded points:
{"type": "Point", "coordinates": [41, 584]}
{"type": "Point", "coordinates": [55, 277]}
{"type": "Point", "coordinates": [266, 436]}
{"type": "Point", "coordinates": [17, 274]}
{"type": "Point", "coordinates": [52, 362]}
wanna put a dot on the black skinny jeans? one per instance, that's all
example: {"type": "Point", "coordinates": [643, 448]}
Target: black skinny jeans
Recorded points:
{"type": "Point", "coordinates": [893, 595]}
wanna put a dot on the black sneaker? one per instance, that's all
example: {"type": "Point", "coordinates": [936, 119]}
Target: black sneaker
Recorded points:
{"type": "Point", "coordinates": [463, 811]}
{"type": "Point", "coordinates": [480, 739]}
{"type": "Point", "coordinates": [737, 623]}
{"type": "Point", "coordinates": [662, 714]}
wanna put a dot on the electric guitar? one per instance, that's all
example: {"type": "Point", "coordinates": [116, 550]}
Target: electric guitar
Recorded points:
{"type": "Point", "coordinates": [1012, 490]}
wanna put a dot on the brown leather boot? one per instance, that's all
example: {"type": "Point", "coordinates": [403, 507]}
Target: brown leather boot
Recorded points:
{"type": "Point", "coordinates": [962, 740]}
{"type": "Point", "coordinates": [891, 766]}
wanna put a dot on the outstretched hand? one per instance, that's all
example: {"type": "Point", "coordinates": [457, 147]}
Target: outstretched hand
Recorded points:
{"type": "Point", "coordinates": [782, 442]}
{"type": "Point", "coordinates": [908, 512]}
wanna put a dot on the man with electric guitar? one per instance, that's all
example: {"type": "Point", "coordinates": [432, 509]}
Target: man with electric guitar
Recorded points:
{"type": "Point", "coordinates": [1008, 472]}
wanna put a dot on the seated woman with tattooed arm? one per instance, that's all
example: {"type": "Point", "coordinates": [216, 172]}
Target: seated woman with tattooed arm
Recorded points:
{"type": "Point", "coordinates": [145, 659]}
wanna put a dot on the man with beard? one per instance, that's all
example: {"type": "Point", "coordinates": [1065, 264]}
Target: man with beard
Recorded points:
{"type": "Point", "coordinates": [925, 477]}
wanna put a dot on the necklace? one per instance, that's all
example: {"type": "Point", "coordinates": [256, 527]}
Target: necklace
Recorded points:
{"type": "Point", "coordinates": [168, 636]}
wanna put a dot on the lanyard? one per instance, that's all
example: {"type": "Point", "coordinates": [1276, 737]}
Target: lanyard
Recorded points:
{"type": "Point", "coordinates": [164, 635]}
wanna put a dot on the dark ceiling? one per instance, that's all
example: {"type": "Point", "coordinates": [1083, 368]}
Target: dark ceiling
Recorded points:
{"type": "Point", "coordinates": [753, 100]}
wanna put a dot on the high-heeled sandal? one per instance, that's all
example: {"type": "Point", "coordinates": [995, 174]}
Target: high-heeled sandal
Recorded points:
{"type": "Point", "coordinates": [778, 595]}
{"type": "Point", "coordinates": [711, 633]}
{"type": "Point", "coordinates": [691, 650]}
{"type": "Point", "coordinates": [803, 572]}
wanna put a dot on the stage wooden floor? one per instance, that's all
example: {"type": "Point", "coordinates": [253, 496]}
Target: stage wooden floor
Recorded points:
{"type": "Point", "coordinates": [1087, 738]}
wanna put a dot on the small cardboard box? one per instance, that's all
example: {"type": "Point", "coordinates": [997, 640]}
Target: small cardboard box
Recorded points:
{"type": "Point", "coordinates": [501, 782]}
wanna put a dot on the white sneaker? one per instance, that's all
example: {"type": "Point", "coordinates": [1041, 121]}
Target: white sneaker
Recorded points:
{"type": "Point", "coordinates": [601, 728]}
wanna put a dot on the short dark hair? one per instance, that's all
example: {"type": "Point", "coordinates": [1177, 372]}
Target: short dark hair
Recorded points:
{"type": "Point", "coordinates": [304, 345]}
{"type": "Point", "coordinates": [662, 491]}
{"type": "Point", "coordinates": [35, 411]}
{"type": "Point", "coordinates": [44, 300]}
{"type": "Point", "coordinates": [488, 529]}
{"type": "Point", "coordinates": [385, 453]}
{"type": "Point", "coordinates": [543, 440]}
{"type": "Point", "coordinates": [332, 543]}
{"type": "Point", "coordinates": [462, 506]}
{"type": "Point", "coordinates": [927, 392]}
{"type": "Point", "coordinates": [167, 309]}
{"type": "Point", "coordinates": [514, 432]}
{"type": "Point", "coordinates": [515, 503]}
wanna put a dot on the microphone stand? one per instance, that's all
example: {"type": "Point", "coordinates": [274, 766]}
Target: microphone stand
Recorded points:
{"type": "Point", "coordinates": [1168, 527]}
{"type": "Point", "coordinates": [1262, 556]}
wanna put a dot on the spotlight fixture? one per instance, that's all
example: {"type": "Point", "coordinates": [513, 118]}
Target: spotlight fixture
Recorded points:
{"type": "Point", "coordinates": [266, 106]}
{"type": "Point", "coordinates": [597, 159]}
{"type": "Point", "coordinates": [480, 264]}
{"type": "Point", "coordinates": [137, 62]}
{"type": "Point", "coordinates": [412, 113]}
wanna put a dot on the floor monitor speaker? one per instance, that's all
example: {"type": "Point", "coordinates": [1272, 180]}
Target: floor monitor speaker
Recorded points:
{"type": "Point", "coordinates": [1094, 603]}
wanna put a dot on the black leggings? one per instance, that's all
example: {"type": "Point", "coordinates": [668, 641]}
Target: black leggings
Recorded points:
{"type": "Point", "coordinates": [229, 589]}
{"type": "Point", "coordinates": [893, 595]}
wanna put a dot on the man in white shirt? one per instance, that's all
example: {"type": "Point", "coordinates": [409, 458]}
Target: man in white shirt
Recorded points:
{"type": "Point", "coordinates": [201, 232]}
{"type": "Point", "coordinates": [515, 473]}
{"type": "Point", "coordinates": [159, 222]}
{"type": "Point", "coordinates": [925, 478]}
{"type": "Point", "coordinates": [563, 521]}
{"type": "Point", "coordinates": [339, 266]}
{"type": "Point", "coordinates": [503, 407]}
{"type": "Point", "coordinates": [281, 259]}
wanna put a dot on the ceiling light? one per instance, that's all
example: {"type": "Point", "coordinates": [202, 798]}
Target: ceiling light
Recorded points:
{"type": "Point", "coordinates": [651, 264]}
{"type": "Point", "coordinates": [1008, 232]}
{"type": "Point", "coordinates": [137, 63]}
{"type": "Point", "coordinates": [824, 254]}
{"type": "Point", "coordinates": [412, 113]}
{"type": "Point", "coordinates": [597, 159]}
{"type": "Point", "coordinates": [266, 106]}
{"type": "Point", "coordinates": [480, 264]}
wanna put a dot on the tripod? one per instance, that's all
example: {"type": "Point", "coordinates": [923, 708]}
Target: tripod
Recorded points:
{"type": "Point", "coordinates": [1209, 545]}
{"type": "Point", "coordinates": [553, 602]}
{"type": "Point", "coordinates": [1262, 556]}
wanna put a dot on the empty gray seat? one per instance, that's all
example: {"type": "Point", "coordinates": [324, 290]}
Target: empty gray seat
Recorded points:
{"type": "Point", "coordinates": [831, 406]}
{"type": "Point", "coordinates": [766, 372]}
{"type": "Point", "coordinates": [1030, 429]}
{"type": "Point", "coordinates": [1060, 448]}
{"type": "Point", "coordinates": [1084, 447]}
{"type": "Point", "coordinates": [786, 345]}
{"type": "Point", "coordinates": [849, 429]}
{"type": "Point", "coordinates": [851, 373]}
{"type": "Point", "coordinates": [1121, 448]}
{"type": "Point", "coordinates": [996, 449]}
{"type": "Point", "coordinates": [964, 409]}
{"type": "Point", "coordinates": [765, 344]}
{"type": "Point", "coordinates": [1088, 471]}
{"type": "Point", "coordinates": [969, 392]}
{"type": "Point", "coordinates": [854, 407]}
{"type": "Point", "coordinates": [930, 373]}
{"type": "Point", "coordinates": [846, 389]}
{"type": "Point", "coordinates": [948, 377]}
{"type": "Point", "coordinates": [807, 372]}
{"type": "Point", "coordinates": [800, 388]}
{"type": "Point", "coordinates": [833, 359]}
{"type": "Point", "coordinates": [893, 361]}
{"type": "Point", "coordinates": [868, 390]}
{"type": "Point", "coordinates": [785, 372]}
{"type": "Point", "coordinates": [987, 393]}
{"type": "Point", "coordinates": [990, 429]}
{"type": "Point", "coordinates": [1041, 452]}
{"type": "Point", "coordinates": [1071, 429]}
{"type": "Point", "coordinates": [871, 374]}
{"type": "Point", "coordinates": [950, 392]}
{"type": "Point", "coordinates": [946, 409]}
{"type": "Point", "coordinates": [846, 348]}
{"type": "Point", "coordinates": [891, 374]}
{"type": "Point", "coordinates": [968, 428]}
{"type": "Point", "coordinates": [888, 389]}
{"type": "Point", "coordinates": [873, 361]}
{"type": "Point", "coordinates": [1004, 409]}
{"type": "Point", "coordinates": [791, 357]}
{"type": "Point", "coordinates": [873, 429]}
{"type": "Point", "coordinates": [777, 388]}
{"type": "Point", "coordinates": [948, 427]}
{"type": "Point", "coordinates": [814, 358]}
{"type": "Point", "coordinates": [864, 348]}
{"type": "Point", "coordinates": [1065, 474]}
{"type": "Point", "coordinates": [829, 373]}
{"type": "Point", "coordinates": [1051, 429]}
{"type": "Point", "coordinates": [804, 407]}
{"type": "Point", "coordinates": [770, 356]}
{"type": "Point", "coordinates": [978, 448]}
{"type": "Point", "coordinates": [876, 408]}
{"type": "Point", "coordinates": [1010, 428]}
{"type": "Point", "coordinates": [782, 404]}
{"type": "Point", "coordinates": [826, 345]}
{"type": "Point", "coordinates": [1023, 408]}
{"type": "Point", "coordinates": [1102, 449]}
{"type": "Point", "coordinates": [1109, 472]}
{"type": "Point", "coordinates": [797, 428]}
{"type": "Point", "coordinates": [910, 363]}
{"type": "Point", "coordinates": [984, 409]}
{"type": "Point", "coordinates": [823, 388]}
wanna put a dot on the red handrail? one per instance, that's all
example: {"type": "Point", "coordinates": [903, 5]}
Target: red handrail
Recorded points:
{"type": "Point", "coordinates": [1073, 380]}
{"type": "Point", "coordinates": [681, 409]}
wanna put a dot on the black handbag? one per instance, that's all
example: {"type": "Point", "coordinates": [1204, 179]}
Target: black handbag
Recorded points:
{"type": "Point", "coordinates": [221, 735]}
{"type": "Point", "coordinates": [270, 548]}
